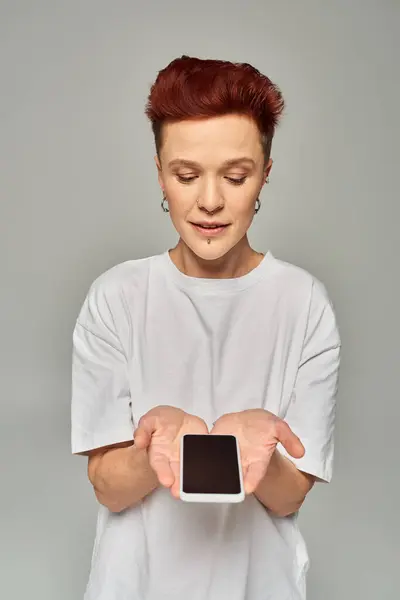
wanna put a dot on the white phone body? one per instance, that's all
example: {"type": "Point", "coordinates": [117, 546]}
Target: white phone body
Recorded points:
{"type": "Point", "coordinates": [210, 470]}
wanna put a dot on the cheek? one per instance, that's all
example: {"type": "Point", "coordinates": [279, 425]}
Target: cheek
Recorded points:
{"type": "Point", "coordinates": [241, 201]}
{"type": "Point", "coordinates": [243, 211]}
{"type": "Point", "coordinates": [180, 206]}
{"type": "Point", "coordinates": [180, 199]}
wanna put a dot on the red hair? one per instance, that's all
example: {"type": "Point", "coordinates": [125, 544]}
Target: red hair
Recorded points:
{"type": "Point", "coordinates": [193, 88]}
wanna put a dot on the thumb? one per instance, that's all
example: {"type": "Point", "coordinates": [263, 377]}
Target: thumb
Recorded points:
{"type": "Point", "coordinates": [253, 475]}
{"type": "Point", "coordinates": [289, 440]}
{"type": "Point", "coordinates": [144, 431]}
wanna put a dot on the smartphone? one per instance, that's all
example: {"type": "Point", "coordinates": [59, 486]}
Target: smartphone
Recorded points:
{"type": "Point", "coordinates": [210, 469]}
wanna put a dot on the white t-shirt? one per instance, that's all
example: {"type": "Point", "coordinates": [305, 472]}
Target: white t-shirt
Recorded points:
{"type": "Point", "coordinates": [148, 335]}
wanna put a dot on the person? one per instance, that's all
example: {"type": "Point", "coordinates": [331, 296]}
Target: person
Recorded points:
{"type": "Point", "coordinates": [209, 337]}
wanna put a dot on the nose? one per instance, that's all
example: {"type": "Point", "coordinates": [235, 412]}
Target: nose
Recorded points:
{"type": "Point", "coordinates": [210, 201]}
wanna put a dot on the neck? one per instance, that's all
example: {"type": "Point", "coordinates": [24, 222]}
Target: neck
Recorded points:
{"type": "Point", "coordinates": [239, 261]}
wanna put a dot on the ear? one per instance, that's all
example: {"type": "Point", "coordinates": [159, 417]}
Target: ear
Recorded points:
{"type": "Point", "coordinates": [267, 170]}
{"type": "Point", "coordinates": [159, 170]}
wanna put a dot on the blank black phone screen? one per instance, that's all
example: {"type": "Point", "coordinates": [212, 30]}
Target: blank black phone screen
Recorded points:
{"type": "Point", "coordinates": [210, 465]}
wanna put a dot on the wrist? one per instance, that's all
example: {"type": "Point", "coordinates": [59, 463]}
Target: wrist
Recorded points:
{"type": "Point", "coordinates": [275, 464]}
{"type": "Point", "coordinates": [273, 470]}
{"type": "Point", "coordinates": [141, 464]}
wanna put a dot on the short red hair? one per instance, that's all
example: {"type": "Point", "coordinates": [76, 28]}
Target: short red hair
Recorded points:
{"type": "Point", "coordinates": [193, 88]}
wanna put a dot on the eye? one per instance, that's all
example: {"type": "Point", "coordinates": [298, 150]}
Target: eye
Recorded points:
{"type": "Point", "coordinates": [186, 178]}
{"type": "Point", "coordinates": [237, 180]}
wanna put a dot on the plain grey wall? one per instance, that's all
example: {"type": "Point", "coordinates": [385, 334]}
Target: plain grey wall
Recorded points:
{"type": "Point", "coordinates": [79, 194]}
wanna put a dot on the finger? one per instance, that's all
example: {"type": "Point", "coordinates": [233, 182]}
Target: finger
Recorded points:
{"type": "Point", "coordinates": [161, 466]}
{"type": "Point", "coordinates": [214, 430]}
{"type": "Point", "coordinates": [202, 427]}
{"type": "Point", "coordinates": [221, 430]}
{"type": "Point", "coordinates": [289, 440]}
{"type": "Point", "coordinates": [144, 431]}
{"type": "Point", "coordinates": [175, 488]}
{"type": "Point", "coordinates": [141, 438]}
{"type": "Point", "coordinates": [254, 474]}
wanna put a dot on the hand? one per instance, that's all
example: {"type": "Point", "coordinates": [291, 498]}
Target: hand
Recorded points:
{"type": "Point", "coordinates": [258, 432]}
{"type": "Point", "coordinates": [160, 431]}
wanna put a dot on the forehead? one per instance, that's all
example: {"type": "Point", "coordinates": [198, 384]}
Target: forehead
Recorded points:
{"type": "Point", "coordinates": [213, 140]}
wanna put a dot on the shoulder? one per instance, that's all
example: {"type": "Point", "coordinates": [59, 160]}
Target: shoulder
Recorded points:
{"type": "Point", "coordinates": [110, 294]}
{"type": "Point", "coordinates": [298, 283]}
{"type": "Point", "coordinates": [306, 297]}
{"type": "Point", "coordinates": [121, 277]}
{"type": "Point", "coordinates": [321, 327]}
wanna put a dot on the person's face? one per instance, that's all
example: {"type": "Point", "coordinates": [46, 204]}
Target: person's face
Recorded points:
{"type": "Point", "coordinates": [211, 172]}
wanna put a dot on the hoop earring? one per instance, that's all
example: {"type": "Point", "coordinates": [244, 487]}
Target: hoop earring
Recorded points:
{"type": "Point", "coordinates": [164, 205]}
{"type": "Point", "coordinates": [258, 206]}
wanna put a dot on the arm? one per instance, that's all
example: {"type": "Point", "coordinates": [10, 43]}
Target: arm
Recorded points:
{"type": "Point", "coordinates": [311, 415]}
{"type": "Point", "coordinates": [282, 458]}
{"type": "Point", "coordinates": [121, 475]}
{"type": "Point", "coordinates": [102, 418]}
{"type": "Point", "coordinates": [283, 488]}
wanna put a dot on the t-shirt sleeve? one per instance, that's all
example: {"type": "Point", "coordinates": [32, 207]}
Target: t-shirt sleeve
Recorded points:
{"type": "Point", "coordinates": [311, 412]}
{"type": "Point", "coordinates": [100, 408]}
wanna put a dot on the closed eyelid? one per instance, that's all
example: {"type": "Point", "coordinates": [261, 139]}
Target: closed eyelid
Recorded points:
{"type": "Point", "coordinates": [243, 174]}
{"type": "Point", "coordinates": [190, 173]}
{"type": "Point", "coordinates": [221, 174]}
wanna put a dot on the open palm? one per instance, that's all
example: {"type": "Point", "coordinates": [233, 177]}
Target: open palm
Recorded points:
{"type": "Point", "coordinates": [258, 432]}
{"type": "Point", "coordinates": [160, 431]}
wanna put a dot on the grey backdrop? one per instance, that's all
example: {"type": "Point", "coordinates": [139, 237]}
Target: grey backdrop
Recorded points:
{"type": "Point", "coordinates": [79, 194]}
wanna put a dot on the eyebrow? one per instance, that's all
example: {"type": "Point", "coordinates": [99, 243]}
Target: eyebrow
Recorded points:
{"type": "Point", "coordinates": [181, 162]}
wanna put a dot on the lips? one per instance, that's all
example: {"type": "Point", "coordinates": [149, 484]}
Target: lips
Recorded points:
{"type": "Point", "coordinates": [207, 226]}
{"type": "Point", "coordinates": [210, 229]}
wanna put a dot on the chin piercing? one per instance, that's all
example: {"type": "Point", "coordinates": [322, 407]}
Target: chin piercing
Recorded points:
{"type": "Point", "coordinates": [208, 241]}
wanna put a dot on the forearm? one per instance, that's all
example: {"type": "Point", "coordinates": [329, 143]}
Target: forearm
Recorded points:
{"type": "Point", "coordinates": [122, 477]}
{"type": "Point", "coordinates": [283, 488]}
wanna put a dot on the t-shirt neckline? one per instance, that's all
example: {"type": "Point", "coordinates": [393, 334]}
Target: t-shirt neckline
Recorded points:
{"type": "Point", "coordinates": [219, 285]}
